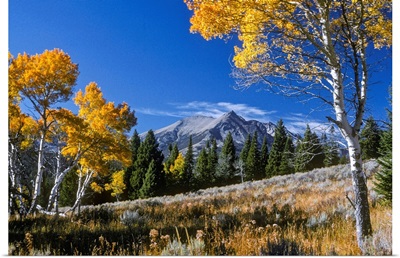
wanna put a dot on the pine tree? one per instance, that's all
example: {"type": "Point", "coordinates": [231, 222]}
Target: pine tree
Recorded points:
{"type": "Point", "coordinates": [383, 183]}
{"type": "Point", "coordinates": [147, 152]}
{"type": "Point", "coordinates": [244, 153]}
{"type": "Point", "coordinates": [253, 168]}
{"type": "Point", "coordinates": [212, 160]}
{"type": "Point", "coordinates": [135, 144]}
{"type": "Point", "coordinates": [149, 186]}
{"type": "Point", "coordinates": [369, 139]}
{"type": "Point", "coordinates": [188, 166]}
{"type": "Point", "coordinates": [287, 162]}
{"type": "Point", "coordinates": [136, 180]}
{"type": "Point", "coordinates": [226, 168]}
{"type": "Point", "coordinates": [331, 149]}
{"type": "Point", "coordinates": [383, 179]}
{"type": "Point", "coordinates": [278, 147]}
{"type": "Point", "coordinates": [264, 154]}
{"type": "Point", "coordinates": [202, 174]}
{"type": "Point", "coordinates": [302, 155]}
{"type": "Point", "coordinates": [318, 150]}
{"type": "Point", "coordinates": [309, 152]}
{"type": "Point", "coordinates": [246, 148]}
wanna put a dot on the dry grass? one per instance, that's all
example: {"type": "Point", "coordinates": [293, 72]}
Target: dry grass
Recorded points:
{"type": "Point", "coordinates": [299, 214]}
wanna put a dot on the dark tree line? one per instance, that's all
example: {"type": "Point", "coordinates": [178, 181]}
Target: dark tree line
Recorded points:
{"type": "Point", "coordinates": [150, 174]}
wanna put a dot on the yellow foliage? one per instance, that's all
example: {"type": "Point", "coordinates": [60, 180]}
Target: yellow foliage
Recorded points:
{"type": "Point", "coordinates": [94, 138]}
{"type": "Point", "coordinates": [117, 185]}
{"type": "Point", "coordinates": [99, 130]}
{"type": "Point", "coordinates": [44, 78]}
{"type": "Point", "coordinates": [22, 129]}
{"type": "Point", "coordinates": [96, 188]}
{"type": "Point", "coordinates": [177, 168]}
{"type": "Point", "coordinates": [277, 35]}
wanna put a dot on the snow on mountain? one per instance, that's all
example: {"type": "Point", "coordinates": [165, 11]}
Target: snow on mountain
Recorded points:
{"type": "Point", "coordinates": [203, 129]}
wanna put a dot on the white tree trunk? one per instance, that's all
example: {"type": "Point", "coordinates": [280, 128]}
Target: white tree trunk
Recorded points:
{"type": "Point", "coordinates": [81, 189]}
{"type": "Point", "coordinates": [350, 133]}
{"type": "Point", "coordinates": [57, 181]}
{"type": "Point", "coordinates": [39, 174]}
{"type": "Point", "coordinates": [362, 214]}
{"type": "Point", "coordinates": [56, 187]}
{"type": "Point", "coordinates": [53, 198]}
{"type": "Point", "coordinates": [12, 173]}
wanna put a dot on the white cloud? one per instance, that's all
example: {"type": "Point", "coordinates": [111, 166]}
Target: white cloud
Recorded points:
{"type": "Point", "coordinates": [210, 109]}
{"type": "Point", "coordinates": [294, 122]}
{"type": "Point", "coordinates": [155, 112]}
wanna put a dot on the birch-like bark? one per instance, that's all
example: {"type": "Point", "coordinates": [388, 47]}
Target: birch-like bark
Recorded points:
{"type": "Point", "coordinates": [15, 179]}
{"type": "Point", "coordinates": [39, 174]}
{"type": "Point", "coordinates": [54, 190]}
{"type": "Point", "coordinates": [60, 177]}
{"type": "Point", "coordinates": [12, 173]}
{"type": "Point", "coordinates": [362, 214]}
{"type": "Point", "coordinates": [56, 187]}
{"type": "Point", "coordinates": [81, 189]}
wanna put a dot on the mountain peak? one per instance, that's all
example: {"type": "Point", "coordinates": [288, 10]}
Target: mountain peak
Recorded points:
{"type": "Point", "coordinates": [231, 115]}
{"type": "Point", "coordinates": [203, 128]}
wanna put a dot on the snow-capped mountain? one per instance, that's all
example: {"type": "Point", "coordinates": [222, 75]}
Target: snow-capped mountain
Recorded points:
{"type": "Point", "coordinates": [203, 129]}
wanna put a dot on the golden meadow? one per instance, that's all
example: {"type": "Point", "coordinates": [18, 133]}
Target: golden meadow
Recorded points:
{"type": "Point", "coordinates": [298, 214]}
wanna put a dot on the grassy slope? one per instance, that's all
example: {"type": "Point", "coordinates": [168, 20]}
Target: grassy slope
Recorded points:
{"type": "Point", "coordinates": [310, 211]}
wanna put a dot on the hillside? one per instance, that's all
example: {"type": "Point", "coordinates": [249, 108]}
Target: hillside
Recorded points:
{"type": "Point", "coordinates": [297, 214]}
{"type": "Point", "coordinates": [326, 179]}
{"type": "Point", "coordinates": [203, 128]}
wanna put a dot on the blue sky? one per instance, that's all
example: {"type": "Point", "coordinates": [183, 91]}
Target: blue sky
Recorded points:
{"type": "Point", "coordinates": [142, 52]}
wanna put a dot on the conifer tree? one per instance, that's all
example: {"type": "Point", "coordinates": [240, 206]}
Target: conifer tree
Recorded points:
{"type": "Point", "coordinates": [243, 155]}
{"type": "Point", "coordinates": [147, 152]}
{"type": "Point", "coordinates": [319, 155]}
{"type": "Point", "coordinates": [212, 160]}
{"type": "Point", "coordinates": [188, 166]}
{"type": "Point", "coordinates": [226, 168]}
{"type": "Point", "coordinates": [149, 186]}
{"type": "Point", "coordinates": [278, 147]}
{"type": "Point", "coordinates": [383, 183]}
{"type": "Point", "coordinates": [202, 174]}
{"type": "Point", "coordinates": [135, 144]}
{"type": "Point", "coordinates": [246, 148]}
{"type": "Point", "coordinates": [301, 157]}
{"type": "Point", "coordinates": [287, 162]}
{"type": "Point", "coordinates": [264, 154]}
{"type": "Point", "coordinates": [331, 149]}
{"type": "Point", "coordinates": [370, 139]}
{"type": "Point", "coordinates": [309, 152]}
{"type": "Point", "coordinates": [253, 169]}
